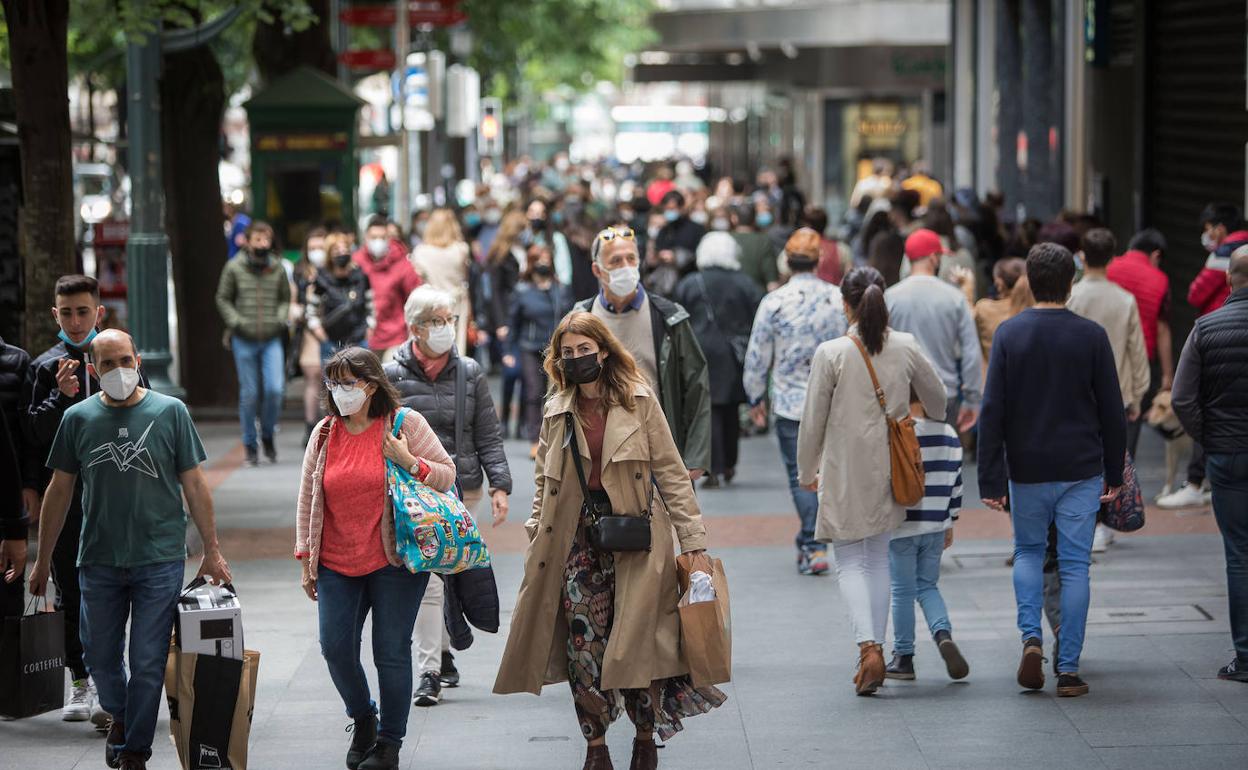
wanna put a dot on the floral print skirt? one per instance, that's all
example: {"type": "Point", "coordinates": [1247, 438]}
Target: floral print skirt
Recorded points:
{"type": "Point", "coordinates": [589, 606]}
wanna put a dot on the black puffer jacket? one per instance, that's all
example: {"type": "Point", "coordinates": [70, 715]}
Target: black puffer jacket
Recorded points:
{"type": "Point", "coordinates": [483, 440]}
{"type": "Point", "coordinates": [1211, 384]}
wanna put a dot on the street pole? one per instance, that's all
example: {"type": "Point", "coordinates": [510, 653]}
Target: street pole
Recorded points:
{"type": "Point", "coordinates": [403, 185]}
{"type": "Point", "coordinates": [147, 249]}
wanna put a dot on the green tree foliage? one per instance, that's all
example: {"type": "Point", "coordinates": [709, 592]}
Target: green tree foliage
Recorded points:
{"type": "Point", "coordinates": [544, 44]}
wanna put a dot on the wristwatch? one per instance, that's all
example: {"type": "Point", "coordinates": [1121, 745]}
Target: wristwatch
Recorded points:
{"type": "Point", "coordinates": [415, 470]}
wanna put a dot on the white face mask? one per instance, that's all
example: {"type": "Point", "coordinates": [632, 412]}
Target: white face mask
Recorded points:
{"type": "Point", "coordinates": [699, 217]}
{"type": "Point", "coordinates": [378, 247]}
{"type": "Point", "coordinates": [348, 400]}
{"type": "Point", "coordinates": [1208, 242]}
{"type": "Point", "coordinates": [119, 384]}
{"type": "Point", "coordinates": [317, 257]}
{"type": "Point", "coordinates": [623, 281]}
{"type": "Point", "coordinates": [440, 340]}
{"type": "Point", "coordinates": [720, 223]}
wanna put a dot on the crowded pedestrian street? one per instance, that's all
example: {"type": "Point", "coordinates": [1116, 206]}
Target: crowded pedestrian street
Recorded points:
{"type": "Point", "coordinates": [1158, 617]}
{"type": "Point", "coordinates": [554, 384]}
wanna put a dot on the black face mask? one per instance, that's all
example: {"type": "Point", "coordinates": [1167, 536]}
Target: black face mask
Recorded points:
{"type": "Point", "coordinates": [583, 369]}
{"type": "Point", "coordinates": [341, 260]}
{"type": "Point", "coordinates": [260, 254]}
{"type": "Point", "coordinates": [537, 225]}
{"type": "Point", "coordinates": [543, 270]}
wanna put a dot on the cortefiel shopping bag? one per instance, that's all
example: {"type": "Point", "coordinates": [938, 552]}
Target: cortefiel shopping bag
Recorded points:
{"type": "Point", "coordinates": [211, 699]}
{"type": "Point", "coordinates": [32, 663]}
{"type": "Point", "coordinates": [706, 625]}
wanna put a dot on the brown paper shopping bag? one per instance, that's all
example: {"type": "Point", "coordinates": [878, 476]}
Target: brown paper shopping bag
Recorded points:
{"type": "Point", "coordinates": [706, 627]}
{"type": "Point", "coordinates": [211, 700]}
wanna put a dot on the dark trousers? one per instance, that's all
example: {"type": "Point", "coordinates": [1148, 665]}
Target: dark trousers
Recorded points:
{"type": "Point", "coordinates": [1196, 466]}
{"type": "Point", "coordinates": [533, 386]}
{"type": "Point", "coordinates": [12, 596]}
{"type": "Point", "coordinates": [68, 595]}
{"type": "Point", "coordinates": [1134, 426]}
{"type": "Point", "coordinates": [1228, 475]}
{"type": "Point", "coordinates": [511, 382]}
{"type": "Point", "coordinates": [725, 437]}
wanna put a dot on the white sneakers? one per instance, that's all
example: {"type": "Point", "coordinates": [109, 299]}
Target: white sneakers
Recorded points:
{"type": "Point", "coordinates": [82, 700]}
{"type": "Point", "coordinates": [1102, 539]}
{"type": "Point", "coordinates": [1187, 496]}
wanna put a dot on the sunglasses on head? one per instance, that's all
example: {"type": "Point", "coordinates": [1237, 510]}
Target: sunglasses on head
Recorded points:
{"type": "Point", "coordinates": [611, 233]}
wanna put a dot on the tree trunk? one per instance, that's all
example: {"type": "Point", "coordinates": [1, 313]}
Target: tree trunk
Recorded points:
{"type": "Point", "coordinates": [278, 51]}
{"type": "Point", "coordinates": [192, 97]}
{"type": "Point", "coordinates": [40, 71]}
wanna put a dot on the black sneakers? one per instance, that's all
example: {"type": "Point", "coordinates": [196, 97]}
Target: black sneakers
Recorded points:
{"type": "Point", "coordinates": [270, 450]}
{"type": "Point", "coordinates": [1235, 671]}
{"type": "Point", "coordinates": [382, 756]}
{"type": "Point", "coordinates": [1031, 667]}
{"type": "Point", "coordinates": [130, 761]}
{"type": "Point", "coordinates": [253, 457]}
{"type": "Point", "coordinates": [955, 664]}
{"type": "Point", "coordinates": [450, 674]}
{"type": "Point", "coordinates": [116, 737]}
{"type": "Point", "coordinates": [363, 736]}
{"type": "Point", "coordinates": [1071, 686]}
{"type": "Point", "coordinates": [430, 689]}
{"type": "Point", "coordinates": [900, 667]}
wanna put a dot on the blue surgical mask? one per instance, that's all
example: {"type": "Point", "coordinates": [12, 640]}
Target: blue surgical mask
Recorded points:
{"type": "Point", "coordinates": [764, 219]}
{"type": "Point", "coordinates": [86, 343]}
{"type": "Point", "coordinates": [557, 218]}
{"type": "Point", "coordinates": [472, 219]}
{"type": "Point", "coordinates": [671, 215]}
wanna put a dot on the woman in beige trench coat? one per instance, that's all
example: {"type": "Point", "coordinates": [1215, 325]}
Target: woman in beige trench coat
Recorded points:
{"type": "Point", "coordinates": [606, 622]}
{"type": "Point", "coordinates": [842, 452]}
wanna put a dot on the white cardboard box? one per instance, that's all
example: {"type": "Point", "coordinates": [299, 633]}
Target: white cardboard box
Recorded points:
{"type": "Point", "coordinates": [210, 622]}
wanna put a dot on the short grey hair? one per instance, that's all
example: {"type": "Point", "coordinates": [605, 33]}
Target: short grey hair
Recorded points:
{"type": "Point", "coordinates": [718, 249]}
{"type": "Point", "coordinates": [596, 248]}
{"type": "Point", "coordinates": [423, 301]}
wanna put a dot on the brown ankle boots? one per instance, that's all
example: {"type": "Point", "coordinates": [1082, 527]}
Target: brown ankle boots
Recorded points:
{"type": "Point", "coordinates": [870, 668]}
{"type": "Point", "coordinates": [598, 758]}
{"type": "Point", "coordinates": [645, 755]}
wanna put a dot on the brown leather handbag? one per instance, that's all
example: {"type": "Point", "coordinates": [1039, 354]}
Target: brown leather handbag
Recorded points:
{"type": "Point", "coordinates": [905, 459]}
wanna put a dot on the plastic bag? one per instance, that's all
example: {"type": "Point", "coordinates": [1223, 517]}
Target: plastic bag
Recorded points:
{"type": "Point", "coordinates": [700, 589]}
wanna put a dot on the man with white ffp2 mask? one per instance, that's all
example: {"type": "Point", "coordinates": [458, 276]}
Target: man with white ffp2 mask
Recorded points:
{"type": "Point", "coordinates": [137, 453]}
{"type": "Point", "coordinates": [658, 334]}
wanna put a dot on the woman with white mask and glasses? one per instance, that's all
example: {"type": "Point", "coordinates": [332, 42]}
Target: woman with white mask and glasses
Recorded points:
{"type": "Point", "coordinates": [451, 392]}
{"type": "Point", "coordinates": [344, 535]}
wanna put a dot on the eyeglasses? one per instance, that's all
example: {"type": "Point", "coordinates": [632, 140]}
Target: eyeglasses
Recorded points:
{"type": "Point", "coordinates": [440, 323]}
{"type": "Point", "coordinates": [342, 384]}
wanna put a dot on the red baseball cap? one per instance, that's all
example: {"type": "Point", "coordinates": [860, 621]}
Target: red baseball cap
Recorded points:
{"type": "Point", "coordinates": [924, 243]}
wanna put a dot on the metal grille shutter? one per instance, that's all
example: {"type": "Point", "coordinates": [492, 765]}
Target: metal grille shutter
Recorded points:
{"type": "Point", "coordinates": [1196, 126]}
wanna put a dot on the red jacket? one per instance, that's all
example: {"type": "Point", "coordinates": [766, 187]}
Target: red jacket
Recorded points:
{"type": "Point", "coordinates": [1151, 288]}
{"type": "Point", "coordinates": [1209, 290]}
{"type": "Point", "coordinates": [393, 278]}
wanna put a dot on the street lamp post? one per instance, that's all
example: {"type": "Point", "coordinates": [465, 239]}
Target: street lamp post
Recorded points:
{"type": "Point", "coordinates": [147, 249]}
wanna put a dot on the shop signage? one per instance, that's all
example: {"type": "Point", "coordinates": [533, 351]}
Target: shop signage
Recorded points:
{"type": "Point", "coordinates": [304, 142]}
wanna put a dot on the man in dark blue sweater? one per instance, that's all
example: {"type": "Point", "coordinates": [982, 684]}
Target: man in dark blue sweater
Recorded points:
{"type": "Point", "coordinates": [1052, 441]}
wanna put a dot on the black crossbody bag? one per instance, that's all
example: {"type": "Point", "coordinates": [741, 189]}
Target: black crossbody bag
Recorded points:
{"type": "Point", "coordinates": [605, 530]}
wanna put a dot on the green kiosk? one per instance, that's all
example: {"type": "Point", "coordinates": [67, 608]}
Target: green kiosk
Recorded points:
{"type": "Point", "coordinates": [303, 168]}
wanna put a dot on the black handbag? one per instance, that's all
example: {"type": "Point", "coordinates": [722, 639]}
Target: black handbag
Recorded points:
{"type": "Point", "coordinates": [605, 530]}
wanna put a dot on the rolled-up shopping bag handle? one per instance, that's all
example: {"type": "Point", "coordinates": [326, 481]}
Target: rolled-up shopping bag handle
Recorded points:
{"type": "Point", "coordinates": [200, 581]}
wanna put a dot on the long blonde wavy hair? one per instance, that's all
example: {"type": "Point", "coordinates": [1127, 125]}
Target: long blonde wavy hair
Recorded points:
{"type": "Point", "coordinates": [620, 375]}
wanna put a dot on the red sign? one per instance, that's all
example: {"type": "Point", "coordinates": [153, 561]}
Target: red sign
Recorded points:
{"type": "Point", "coordinates": [372, 59]}
{"type": "Point", "coordinates": [437, 13]}
{"type": "Point", "coordinates": [111, 233]}
{"type": "Point", "coordinates": [368, 15]}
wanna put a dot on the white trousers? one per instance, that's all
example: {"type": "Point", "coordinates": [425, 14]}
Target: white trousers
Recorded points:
{"type": "Point", "coordinates": [863, 576]}
{"type": "Point", "coordinates": [430, 638]}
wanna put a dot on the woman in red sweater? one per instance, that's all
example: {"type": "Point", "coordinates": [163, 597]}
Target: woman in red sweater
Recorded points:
{"type": "Point", "coordinates": [345, 537]}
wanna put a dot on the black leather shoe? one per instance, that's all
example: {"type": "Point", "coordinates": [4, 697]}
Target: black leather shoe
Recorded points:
{"type": "Point", "coordinates": [450, 674]}
{"type": "Point", "coordinates": [363, 736]}
{"type": "Point", "coordinates": [1071, 686]}
{"type": "Point", "coordinates": [1235, 671]}
{"type": "Point", "coordinates": [382, 756]}
{"type": "Point", "coordinates": [270, 450]}
{"type": "Point", "coordinates": [900, 667]}
{"type": "Point", "coordinates": [132, 761]}
{"type": "Point", "coordinates": [430, 690]}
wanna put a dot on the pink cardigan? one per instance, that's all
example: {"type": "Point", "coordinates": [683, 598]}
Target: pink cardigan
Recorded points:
{"type": "Point", "coordinates": [422, 442]}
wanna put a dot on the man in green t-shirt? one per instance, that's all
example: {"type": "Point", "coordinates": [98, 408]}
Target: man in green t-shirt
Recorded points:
{"type": "Point", "coordinates": [137, 452]}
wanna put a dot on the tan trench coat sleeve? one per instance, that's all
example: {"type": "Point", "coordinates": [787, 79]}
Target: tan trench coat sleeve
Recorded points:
{"type": "Point", "coordinates": [672, 478]}
{"type": "Point", "coordinates": [535, 518]}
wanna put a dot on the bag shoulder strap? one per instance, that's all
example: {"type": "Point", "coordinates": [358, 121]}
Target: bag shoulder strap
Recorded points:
{"type": "Point", "coordinates": [570, 422]}
{"type": "Point", "coordinates": [398, 420]}
{"type": "Point", "coordinates": [875, 381]}
{"type": "Point", "coordinates": [461, 400]}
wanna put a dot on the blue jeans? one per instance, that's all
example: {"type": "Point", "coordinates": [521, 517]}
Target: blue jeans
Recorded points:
{"type": "Point", "coordinates": [1228, 475]}
{"type": "Point", "coordinates": [807, 503]}
{"type": "Point", "coordinates": [1072, 506]}
{"type": "Point", "coordinates": [393, 595]}
{"type": "Point", "coordinates": [261, 385]}
{"type": "Point", "coordinates": [914, 563]}
{"type": "Point", "coordinates": [147, 596]}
